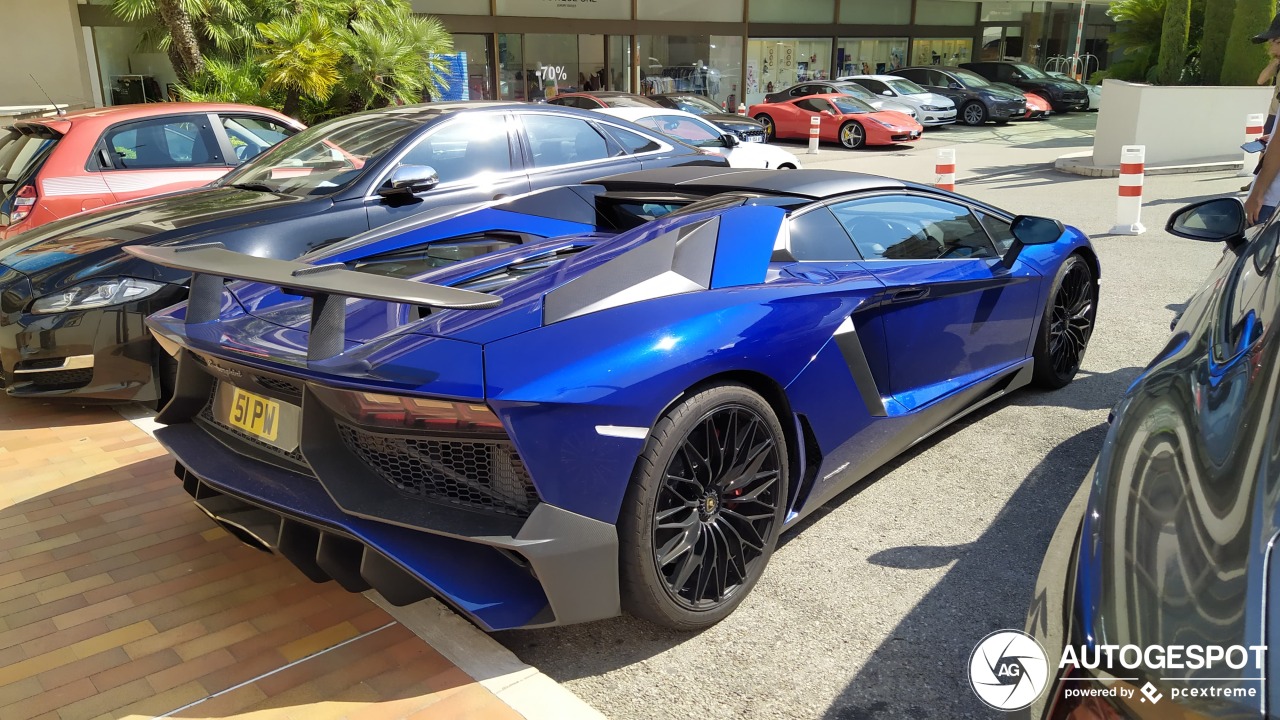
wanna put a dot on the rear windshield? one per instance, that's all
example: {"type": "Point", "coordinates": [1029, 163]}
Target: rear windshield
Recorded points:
{"type": "Point", "coordinates": [21, 155]}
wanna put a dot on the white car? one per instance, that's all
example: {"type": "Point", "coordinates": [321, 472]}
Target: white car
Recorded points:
{"type": "Point", "coordinates": [931, 109]}
{"type": "Point", "coordinates": [1095, 91]}
{"type": "Point", "coordinates": [693, 130]}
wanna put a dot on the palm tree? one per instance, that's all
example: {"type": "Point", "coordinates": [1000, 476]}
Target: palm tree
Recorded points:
{"type": "Point", "coordinates": [1139, 25]}
{"type": "Point", "coordinates": [393, 55]}
{"type": "Point", "coordinates": [184, 29]}
{"type": "Point", "coordinates": [300, 56]}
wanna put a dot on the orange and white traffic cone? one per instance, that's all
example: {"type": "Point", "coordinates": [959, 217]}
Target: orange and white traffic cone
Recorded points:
{"type": "Point", "coordinates": [946, 170]}
{"type": "Point", "coordinates": [1129, 200]}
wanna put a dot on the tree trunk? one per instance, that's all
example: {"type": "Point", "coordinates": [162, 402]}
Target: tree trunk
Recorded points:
{"type": "Point", "coordinates": [292, 99]}
{"type": "Point", "coordinates": [1173, 41]}
{"type": "Point", "coordinates": [1213, 41]}
{"type": "Point", "coordinates": [1244, 60]}
{"type": "Point", "coordinates": [183, 40]}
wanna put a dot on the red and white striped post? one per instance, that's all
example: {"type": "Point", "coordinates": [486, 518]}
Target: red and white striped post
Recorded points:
{"type": "Point", "coordinates": [742, 108]}
{"type": "Point", "coordinates": [946, 170]}
{"type": "Point", "coordinates": [1252, 131]}
{"type": "Point", "coordinates": [815, 127]}
{"type": "Point", "coordinates": [1129, 202]}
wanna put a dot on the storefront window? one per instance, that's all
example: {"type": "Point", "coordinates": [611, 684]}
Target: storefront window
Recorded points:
{"type": "Point", "coordinates": [539, 67]}
{"type": "Point", "coordinates": [129, 77]}
{"type": "Point", "coordinates": [467, 70]}
{"type": "Point", "coordinates": [620, 63]}
{"type": "Point", "coordinates": [941, 51]}
{"type": "Point", "coordinates": [793, 11]}
{"type": "Point", "coordinates": [870, 56]}
{"type": "Point", "coordinates": [776, 63]}
{"type": "Point", "coordinates": [875, 12]}
{"type": "Point", "coordinates": [946, 12]}
{"type": "Point", "coordinates": [709, 65]}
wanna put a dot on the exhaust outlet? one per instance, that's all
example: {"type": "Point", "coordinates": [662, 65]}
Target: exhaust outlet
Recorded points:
{"type": "Point", "coordinates": [252, 526]}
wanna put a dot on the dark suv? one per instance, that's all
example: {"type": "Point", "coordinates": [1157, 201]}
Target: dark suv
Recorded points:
{"type": "Point", "coordinates": [977, 100]}
{"type": "Point", "coordinates": [1063, 95]}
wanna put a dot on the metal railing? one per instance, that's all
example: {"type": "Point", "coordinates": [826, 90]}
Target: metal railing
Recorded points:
{"type": "Point", "coordinates": [1072, 65]}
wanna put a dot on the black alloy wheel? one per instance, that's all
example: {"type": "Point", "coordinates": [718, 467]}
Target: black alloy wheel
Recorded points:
{"type": "Point", "coordinates": [1067, 324]}
{"type": "Point", "coordinates": [704, 509]}
{"type": "Point", "coordinates": [973, 113]}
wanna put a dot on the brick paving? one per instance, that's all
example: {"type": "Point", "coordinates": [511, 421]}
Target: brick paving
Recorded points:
{"type": "Point", "coordinates": [118, 599]}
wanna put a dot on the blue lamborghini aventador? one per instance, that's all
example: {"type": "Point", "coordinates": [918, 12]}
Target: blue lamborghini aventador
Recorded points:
{"type": "Point", "coordinates": [605, 396]}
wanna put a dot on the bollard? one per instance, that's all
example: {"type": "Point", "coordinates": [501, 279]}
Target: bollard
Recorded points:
{"type": "Point", "coordinates": [1252, 131]}
{"type": "Point", "coordinates": [815, 127]}
{"type": "Point", "coordinates": [1129, 201]}
{"type": "Point", "coordinates": [946, 170]}
{"type": "Point", "coordinates": [742, 108]}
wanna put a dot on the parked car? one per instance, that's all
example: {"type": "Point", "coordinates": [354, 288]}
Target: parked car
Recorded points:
{"type": "Point", "coordinates": [74, 302]}
{"type": "Point", "coordinates": [932, 109]}
{"type": "Point", "coordinates": [1037, 107]}
{"type": "Point", "coordinates": [745, 128]}
{"type": "Point", "coordinates": [1064, 95]}
{"type": "Point", "coordinates": [596, 99]}
{"type": "Point", "coordinates": [1095, 91]}
{"type": "Point", "coordinates": [1171, 542]}
{"type": "Point", "coordinates": [693, 130]}
{"type": "Point", "coordinates": [975, 96]}
{"type": "Point", "coordinates": [604, 420]}
{"type": "Point", "coordinates": [826, 87]}
{"type": "Point", "coordinates": [844, 119]}
{"type": "Point", "coordinates": [58, 166]}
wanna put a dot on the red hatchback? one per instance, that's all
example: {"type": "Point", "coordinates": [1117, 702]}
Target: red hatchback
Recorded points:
{"type": "Point", "coordinates": [58, 166]}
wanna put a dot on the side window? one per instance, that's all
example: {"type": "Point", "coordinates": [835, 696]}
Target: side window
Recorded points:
{"type": "Point", "coordinates": [813, 105]}
{"type": "Point", "coordinates": [900, 227]}
{"type": "Point", "coordinates": [632, 142]}
{"type": "Point", "coordinates": [801, 91]}
{"type": "Point", "coordinates": [817, 236]}
{"type": "Point", "coordinates": [939, 79]}
{"type": "Point", "coordinates": [874, 86]}
{"type": "Point", "coordinates": [998, 230]}
{"type": "Point", "coordinates": [249, 135]}
{"type": "Point", "coordinates": [919, 77]}
{"type": "Point", "coordinates": [562, 140]}
{"type": "Point", "coordinates": [160, 143]}
{"type": "Point", "coordinates": [470, 146]}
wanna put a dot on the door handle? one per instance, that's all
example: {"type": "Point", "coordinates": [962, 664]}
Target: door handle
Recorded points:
{"type": "Point", "coordinates": [905, 294]}
{"type": "Point", "coordinates": [499, 196]}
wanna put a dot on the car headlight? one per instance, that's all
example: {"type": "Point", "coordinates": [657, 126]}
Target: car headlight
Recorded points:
{"type": "Point", "coordinates": [882, 123]}
{"type": "Point", "coordinates": [934, 108]}
{"type": "Point", "coordinates": [96, 294]}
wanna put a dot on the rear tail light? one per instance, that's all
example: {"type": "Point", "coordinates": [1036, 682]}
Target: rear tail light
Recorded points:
{"type": "Point", "coordinates": [377, 410]}
{"type": "Point", "coordinates": [24, 201]}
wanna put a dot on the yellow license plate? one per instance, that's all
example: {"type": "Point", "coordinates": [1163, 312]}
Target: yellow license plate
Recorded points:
{"type": "Point", "coordinates": [255, 414]}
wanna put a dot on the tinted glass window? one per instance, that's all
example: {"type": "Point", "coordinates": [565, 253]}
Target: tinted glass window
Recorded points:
{"type": "Point", "coordinates": [897, 227]}
{"type": "Point", "coordinates": [685, 129]}
{"type": "Point", "coordinates": [162, 143]}
{"type": "Point", "coordinates": [852, 106]}
{"type": "Point", "coordinates": [617, 101]}
{"type": "Point", "coordinates": [471, 146]}
{"type": "Point", "coordinates": [631, 142]}
{"type": "Point", "coordinates": [874, 86]}
{"type": "Point", "coordinates": [971, 79]}
{"type": "Point", "coordinates": [562, 140]}
{"type": "Point", "coordinates": [417, 261]}
{"type": "Point", "coordinates": [906, 87]}
{"type": "Point", "coordinates": [251, 134]}
{"type": "Point", "coordinates": [998, 230]}
{"type": "Point", "coordinates": [813, 105]}
{"type": "Point", "coordinates": [696, 105]}
{"type": "Point", "coordinates": [920, 76]}
{"type": "Point", "coordinates": [817, 236]}
{"type": "Point", "coordinates": [20, 155]}
{"type": "Point", "coordinates": [800, 91]}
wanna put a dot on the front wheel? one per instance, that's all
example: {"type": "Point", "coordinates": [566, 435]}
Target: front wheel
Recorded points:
{"type": "Point", "coordinates": [973, 113]}
{"type": "Point", "coordinates": [1067, 324]}
{"type": "Point", "coordinates": [704, 508]}
{"type": "Point", "coordinates": [770, 132]}
{"type": "Point", "coordinates": [852, 135]}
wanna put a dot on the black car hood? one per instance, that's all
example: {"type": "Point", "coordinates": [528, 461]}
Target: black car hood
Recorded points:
{"type": "Point", "coordinates": [731, 119]}
{"type": "Point", "coordinates": [1003, 91]}
{"type": "Point", "coordinates": [68, 251]}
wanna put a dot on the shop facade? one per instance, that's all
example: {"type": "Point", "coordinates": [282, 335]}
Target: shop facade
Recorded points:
{"type": "Point", "coordinates": [732, 51]}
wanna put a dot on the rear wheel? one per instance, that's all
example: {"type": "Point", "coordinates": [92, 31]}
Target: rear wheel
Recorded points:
{"type": "Point", "coordinates": [852, 135]}
{"type": "Point", "coordinates": [973, 113]}
{"type": "Point", "coordinates": [704, 508]}
{"type": "Point", "coordinates": [1067, 324]}
{"type": "Point", "coordinates": [769, 129]}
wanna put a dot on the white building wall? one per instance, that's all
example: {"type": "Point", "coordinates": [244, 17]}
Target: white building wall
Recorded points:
{"type": "Point", "coordinates": [43, 39]}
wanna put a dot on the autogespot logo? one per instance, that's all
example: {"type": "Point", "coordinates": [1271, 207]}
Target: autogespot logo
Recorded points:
{"type": "Point", "coordinates": [1008, 670]}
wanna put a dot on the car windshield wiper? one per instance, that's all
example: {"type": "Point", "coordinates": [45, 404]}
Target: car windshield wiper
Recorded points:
{"type": "Point", "coordinates": [257, 187]}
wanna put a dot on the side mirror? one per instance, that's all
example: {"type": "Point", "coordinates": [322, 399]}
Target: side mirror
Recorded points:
{"type": "Point", "coordinates": [828, 113]}
{"type": "Point", "coordinates": [1031, 230]}
{"type": "Point", "coordinates": [730, 140]}
{"type": "Point", "coordinates": [1216, 220]}
{"type": "Point", "coordinates": [887, 93]}
{"type": "Point", "coordinates": [406, 180]}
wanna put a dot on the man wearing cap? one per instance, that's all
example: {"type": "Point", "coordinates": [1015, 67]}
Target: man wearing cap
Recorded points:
{"type": "Point", "coordinates": [1263, 198]}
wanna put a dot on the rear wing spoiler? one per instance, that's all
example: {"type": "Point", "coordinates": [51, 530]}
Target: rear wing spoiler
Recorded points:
{"type": "Point", "coordinates": [328, 286]}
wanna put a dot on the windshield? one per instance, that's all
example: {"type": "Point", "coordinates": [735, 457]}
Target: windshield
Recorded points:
{"type": "Point", "coordinates": [691, 131]}
{"type": "Point", "coordinates": [1030, 71]}
{"type": "Point", "coordinates": [20, 154]}
{"type": "Point", "coordinates": [696, 105]}
{"type": "Point", "coordinates": [325, 158]}
{"type": "Point", "coordinates": [853, 89]}
{"type": "Point", "coordinates": [970, 79]}
{"type": "Point", "coordinates": [616, 101]}
{"type": "Point", "coordinates": [905, 87]}
{"type": "Point", "coordinates": [851, 106]}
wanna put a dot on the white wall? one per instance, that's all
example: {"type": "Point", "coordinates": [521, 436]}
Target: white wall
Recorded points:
{"type": "Point", "coordinates": [44, 39]}
{"type": "Point", "coordinates": [1178, 125]}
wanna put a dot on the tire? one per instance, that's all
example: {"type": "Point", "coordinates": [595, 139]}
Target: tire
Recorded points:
{"type": "Point", "coordinates": [721, 559]}
{"type": "Point", "coordinates": [852, 135]}
{"type": "Point", "coordinates": [770, 131]}
{"type": "Point", "coordinates": [786, 166]}
{"type": "Point", "coordinates": [973, 113]}
{"type": "Point", "coordinates": [1067, 324]}
{"type": "Point", "coordinates": [1002, 122]}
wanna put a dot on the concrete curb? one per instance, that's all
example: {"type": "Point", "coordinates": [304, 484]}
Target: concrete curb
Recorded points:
{"type": "Point", "coordinates": [1082, 164]}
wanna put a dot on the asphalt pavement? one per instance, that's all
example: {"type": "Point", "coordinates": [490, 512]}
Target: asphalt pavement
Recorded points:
{"type": "Point", "coordinates": [871, 608]}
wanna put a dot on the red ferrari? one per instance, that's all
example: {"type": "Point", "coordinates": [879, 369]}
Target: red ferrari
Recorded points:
{"type": "Point", "coordinates": [844, 119]}
{"type": "Point", "coordinates": [1037, 107]}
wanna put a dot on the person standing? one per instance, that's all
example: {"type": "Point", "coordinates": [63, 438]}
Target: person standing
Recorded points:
{"type": "Point", "coordinates": [1262, 200]}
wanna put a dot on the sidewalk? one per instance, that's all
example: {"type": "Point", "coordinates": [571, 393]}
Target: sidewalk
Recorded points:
{"type": "Point", "coordinates": [119, 599]}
